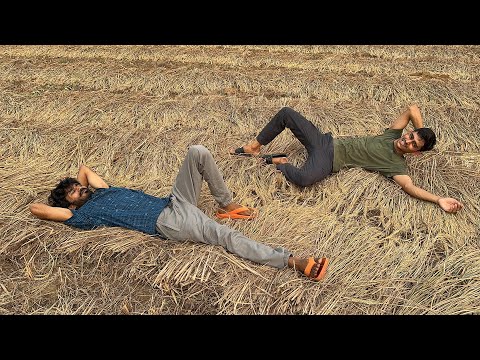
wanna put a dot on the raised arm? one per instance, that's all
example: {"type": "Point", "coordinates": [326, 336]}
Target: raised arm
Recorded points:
{"type": "Point", "coordinates": [450, 205]}
{"type": "Point", "coordinates": [47, 212]}
{"type": "Point", "coordinates": [411, 114]}
{"type": "Point", "coordinates": [87, 176]}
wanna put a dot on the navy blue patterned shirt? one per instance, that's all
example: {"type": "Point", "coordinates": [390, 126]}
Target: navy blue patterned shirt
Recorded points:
{"type": "Point", "coordinates": [116, 206]}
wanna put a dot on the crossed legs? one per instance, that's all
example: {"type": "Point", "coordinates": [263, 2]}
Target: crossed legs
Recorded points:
{"type": "Point", "coordinates": [319, 147]}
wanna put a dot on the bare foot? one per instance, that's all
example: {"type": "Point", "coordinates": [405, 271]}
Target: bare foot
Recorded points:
{"type": "Point", "coordinates": [280, 160]}
{"type": "Point", "coordinates": [301, 263]}
{"type": "Point", "coordinates": [276, 160]}
{"type": "Point", "coordinates": [252, 148]}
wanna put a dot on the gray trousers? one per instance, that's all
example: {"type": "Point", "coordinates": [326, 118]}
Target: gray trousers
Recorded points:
{"type": "Point", "coordinates": [183, 220]}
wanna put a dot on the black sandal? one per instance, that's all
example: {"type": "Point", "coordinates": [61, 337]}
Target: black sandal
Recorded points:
{"type": "Point", "coordinates": [239, 151]}
{"type": "Point", "coordinates": [268, 157]}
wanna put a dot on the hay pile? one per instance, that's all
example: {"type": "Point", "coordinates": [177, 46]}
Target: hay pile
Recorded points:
{"type": "Point", "coordinates": [130, 112]}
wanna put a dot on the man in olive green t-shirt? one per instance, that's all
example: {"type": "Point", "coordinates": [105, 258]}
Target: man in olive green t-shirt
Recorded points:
{"type": "Point", "coordinates": [382, 153]}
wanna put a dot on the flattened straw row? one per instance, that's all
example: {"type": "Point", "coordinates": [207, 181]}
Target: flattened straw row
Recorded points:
{"type": "Point", "coordinates": [130, 112]}
{"type": "Point", "coordinates": [332, 59]}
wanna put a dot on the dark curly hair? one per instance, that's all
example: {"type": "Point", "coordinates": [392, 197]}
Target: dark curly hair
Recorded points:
{"type": "Point", "coordinates": [57, 195]}
{"type": "Point", "coordinates": [428, 136]}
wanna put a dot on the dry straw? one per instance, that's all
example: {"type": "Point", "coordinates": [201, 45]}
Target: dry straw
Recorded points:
{"type": "Point", "coordinates": [130, 113]}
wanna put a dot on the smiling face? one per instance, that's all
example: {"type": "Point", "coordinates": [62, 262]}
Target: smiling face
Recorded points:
{"type": "Point", "coordinates": [410, 142]}
{"type": "Point", "coordinates": [77, 195]}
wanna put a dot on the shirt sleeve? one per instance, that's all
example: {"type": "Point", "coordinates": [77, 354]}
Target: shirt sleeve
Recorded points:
{"type": "Point", "coordinates": [392, 133]}
{"type": "Point", "coordinates": [391, 174]}
{"type": "Point", "coordinates": [79, 220]}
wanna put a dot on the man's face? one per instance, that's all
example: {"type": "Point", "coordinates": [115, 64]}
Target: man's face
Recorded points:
{"type": "Point", "coordinates": [77, 195]}
{"type": "Point", "coordinates": [410, 142]}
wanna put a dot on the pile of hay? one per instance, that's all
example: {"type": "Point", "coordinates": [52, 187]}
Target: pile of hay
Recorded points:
{"type": "Point", "coordinates": [130, 113]}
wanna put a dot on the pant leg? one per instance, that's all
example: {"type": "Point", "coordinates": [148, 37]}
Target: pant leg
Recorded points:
{"type": "Point", "coordinates": [183, 221]}
{"type": "Point", "coordinates": [319, 147]}
{"type": "Point", "coordinates": [199, 165]}
{"type": "Point", "coordinates": [304, 130]}
{"type": "Point", "coordinates": [318, 166]}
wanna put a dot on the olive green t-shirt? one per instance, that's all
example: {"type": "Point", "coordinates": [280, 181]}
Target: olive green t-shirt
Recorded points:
{"type": "Point", "coordinates": [374, 153]}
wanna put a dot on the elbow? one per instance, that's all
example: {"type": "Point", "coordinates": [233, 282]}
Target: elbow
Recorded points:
{"type": "Point", "coordinates": [35, 209]}
{"type": "Point", "coordinates": [413, 108]}
{"type": "Point", "coordinates": [414, 111]}
{"type": "Point", "coordinates": [410, 189]}
{"type": "Point", "coordinates": [406, 185]}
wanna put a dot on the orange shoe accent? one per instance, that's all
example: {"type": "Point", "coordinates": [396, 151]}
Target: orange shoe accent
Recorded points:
{"type": "Point", "coordinates": [323, 269]}
{"type": "Point", "coordinates": [234, 214]}
{"type": "Point", "coordinates": [324, 264]}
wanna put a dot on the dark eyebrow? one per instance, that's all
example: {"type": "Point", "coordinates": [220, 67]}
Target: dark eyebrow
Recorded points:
{"type": "Point", "coordinates": [414, 141]}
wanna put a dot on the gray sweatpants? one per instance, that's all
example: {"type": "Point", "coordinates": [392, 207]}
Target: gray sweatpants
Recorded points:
{"type": "Point", "coordinates": [183, 220]}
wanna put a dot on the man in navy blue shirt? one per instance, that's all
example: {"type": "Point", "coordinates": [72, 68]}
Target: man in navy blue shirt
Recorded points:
{"type": "Point", "coordinates": [175, 217]}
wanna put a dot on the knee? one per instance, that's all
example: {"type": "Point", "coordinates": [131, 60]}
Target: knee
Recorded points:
{"type": "Point", "coordinates": [287, 110]}
{"type": "Point", "coordinates": [305, 180]}
{"type": "Point", "coordinates": [198, 151]}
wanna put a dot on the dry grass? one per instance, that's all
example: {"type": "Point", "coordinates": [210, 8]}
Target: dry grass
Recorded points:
{"type": "Point", "coordinates": [130, 112]}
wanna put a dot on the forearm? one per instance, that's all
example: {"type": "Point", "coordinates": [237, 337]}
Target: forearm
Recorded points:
{"type": "Point", "coordinates": [421, 194]}
{"type": "Point", "coordinates": [82, 175]}
{"type": "Point", "coordinates": [411, 114]}
{"type": "Point", "coordinates": [415, 116]}
{"type": "Point", "coordinates": [46, 212]}
{"type": "Point", "coordinates": [88, 177]}
{"type": "Point", "coordinates": [448, 204]}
